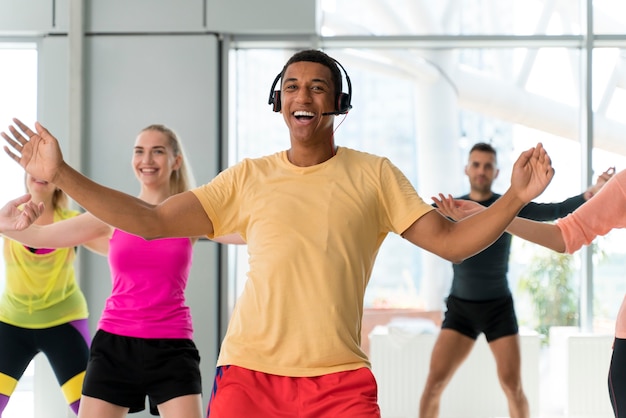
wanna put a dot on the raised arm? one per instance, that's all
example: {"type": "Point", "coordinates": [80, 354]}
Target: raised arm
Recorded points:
{"type": "Point", "coordinates": [84, 229]}
{"type": "Point", "coordinates": [456, 241]}
{"type": "Point", "coordinates": [549, 235]}
{"type": "Point", "coordinates": [39, 154]}
{"type": "Point", "coordinates": [14, 218]}
{"type": "Point", "coordinates": [600, 182]}
{"type": "Point", "coordinates": [542, 233]}
{"type": "Point", "coordinates": [596, 217]}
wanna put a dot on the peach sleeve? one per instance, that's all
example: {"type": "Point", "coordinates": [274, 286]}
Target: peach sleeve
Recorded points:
{"type": "Point", "coordinates": [600, 214]}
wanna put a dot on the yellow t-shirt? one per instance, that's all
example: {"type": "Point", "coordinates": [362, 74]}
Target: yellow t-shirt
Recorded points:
{"type": "Point", "coordinates": [313, 234]}
{"type": "Point", "coordinates": [41, 289]}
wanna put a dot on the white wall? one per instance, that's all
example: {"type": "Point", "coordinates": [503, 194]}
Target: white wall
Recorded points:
{"type": "Point", "coordinates": [272, 17]}
{"type": "Point", "coordinates": [133, 81]}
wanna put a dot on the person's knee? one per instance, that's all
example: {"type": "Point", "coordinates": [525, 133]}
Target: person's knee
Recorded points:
{"type": "Point", "coordinates": [511, 383]}
{"type": "Point", "coordinates": [436, 383]}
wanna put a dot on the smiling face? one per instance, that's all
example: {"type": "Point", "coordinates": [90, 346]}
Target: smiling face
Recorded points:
{"type": "Point", "coordinates": [153, 159]}
{"type": "Point", "coordinates": [307, 92]}
{"type": "Point", "coordinates": [39, 188]}
{"type": "Point", "coordinates": [43, 191]}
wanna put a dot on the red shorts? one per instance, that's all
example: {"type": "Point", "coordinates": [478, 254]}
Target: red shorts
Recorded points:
{"type": "Point", "coordinates": [239, 392]}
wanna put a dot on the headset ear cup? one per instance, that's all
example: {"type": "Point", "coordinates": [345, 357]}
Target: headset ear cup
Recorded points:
{"type": "Point", "coordinates": [276, 101]}
{"type": "Point", "coordinates": [343, 103]}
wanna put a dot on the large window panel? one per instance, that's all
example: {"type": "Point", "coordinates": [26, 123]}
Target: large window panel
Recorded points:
{"type": "Point", "coordinates": [450, 17]}
{"type": "Point", "coordinates": [443, 96]}
{"type": "Point", "coordinates": [609, 16]}
{"type": "Point", "coordinates": [18, 90]}
{"type": "Point", "coordinates": [424, 110]}
{"type": "Point", "coordinates": [609, 252]}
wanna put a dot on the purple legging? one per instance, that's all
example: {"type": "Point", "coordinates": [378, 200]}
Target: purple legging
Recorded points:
{"type": "Point", "coordinates": [66, 346]}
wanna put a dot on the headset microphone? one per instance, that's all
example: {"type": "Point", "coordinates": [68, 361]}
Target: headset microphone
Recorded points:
{"type": "Point", "coordinates": [336, 112]}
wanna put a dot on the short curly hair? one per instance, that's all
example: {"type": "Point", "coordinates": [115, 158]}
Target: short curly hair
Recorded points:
{"type": "Point", "coordinates": [314, 55]}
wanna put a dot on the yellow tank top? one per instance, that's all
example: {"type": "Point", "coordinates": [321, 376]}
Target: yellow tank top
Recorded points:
{"type": "Point", "coordinates": [41, 289]}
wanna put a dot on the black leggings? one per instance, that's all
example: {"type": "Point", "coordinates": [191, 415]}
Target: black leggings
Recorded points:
{"type": "Point", "coordinates": [66, 346]}
{"type": "Point", "coordinates": [617, 378]}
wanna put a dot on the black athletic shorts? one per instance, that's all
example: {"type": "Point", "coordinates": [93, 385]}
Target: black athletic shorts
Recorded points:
{"type": "Point", "coordinates": [124, 370]}
{"type": "Point", "coordinates": [496, 318]}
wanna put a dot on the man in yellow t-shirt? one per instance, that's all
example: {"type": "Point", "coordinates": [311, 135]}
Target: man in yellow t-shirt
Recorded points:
{"type": "Point", "coordinates": [314, 217]}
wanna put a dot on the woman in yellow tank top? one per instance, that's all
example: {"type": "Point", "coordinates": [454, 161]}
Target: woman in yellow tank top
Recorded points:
{"type": "Point", "coordinates": [41, 307]}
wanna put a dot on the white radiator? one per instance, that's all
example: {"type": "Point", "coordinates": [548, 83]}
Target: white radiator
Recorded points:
{"type": "Point", "coordinates": [400, 362]}
{"type": "Point", "coordinates": [588, 358]}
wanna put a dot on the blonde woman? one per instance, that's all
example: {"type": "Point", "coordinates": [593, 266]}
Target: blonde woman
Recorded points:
{"type": "Point", "coordinates": [143, 345]}
{"type": "Point", "coordinates": [42, 309]}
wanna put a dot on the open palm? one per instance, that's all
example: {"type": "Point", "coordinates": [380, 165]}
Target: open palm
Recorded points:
{"type": "Point", "coordinates": [456, 209]}
{"type": "Point", "coordinates": [37, 152]}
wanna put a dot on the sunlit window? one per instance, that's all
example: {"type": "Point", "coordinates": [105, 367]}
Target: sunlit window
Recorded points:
{"type": "Point", "coordinates": [424, 109]}
{"type": "Point", "coordinates": [18, 93]}
{"type": "Point", "coordinates": [458, 17]}
{"type": "Point", "coordinates": [18, 89]}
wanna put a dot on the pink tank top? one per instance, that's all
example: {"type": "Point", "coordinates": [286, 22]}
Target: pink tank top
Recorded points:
{"type": "Point", "coordinates": [148, 295]}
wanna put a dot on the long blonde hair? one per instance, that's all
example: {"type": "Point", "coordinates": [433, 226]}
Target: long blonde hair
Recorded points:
{"type": "Point", "coordinates": [60, 199]}
{"type": "Point", "coordinates": [181, 180]}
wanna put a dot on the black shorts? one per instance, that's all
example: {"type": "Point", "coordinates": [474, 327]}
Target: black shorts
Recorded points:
{"type": "Point", "coordinates": [124, 370]}
{"type": "Point", "coordinates": [496, 318]}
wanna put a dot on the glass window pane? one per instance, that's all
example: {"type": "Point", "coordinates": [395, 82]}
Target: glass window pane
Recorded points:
{"type": "Point", "coordinates": [609, 252]}
{"type": "Point", "coordinates": [452, 17]}
{"type": "Point", "coordinates": [609, 16]}
{"type": "Point", "coordinates": [424, 110]}
{"type": "Point", "coordinates": [18, 90]}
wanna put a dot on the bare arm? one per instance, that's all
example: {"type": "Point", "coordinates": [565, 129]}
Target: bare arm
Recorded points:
{"type": "Point", "coordinates": [597, 217]}
{"type": "Point", "coordinates": [456, 241]}
{"type": "Point", "coordinates": [600, 182]}
{"type": "Point", "coordinates": [84, 229]}
{"type": "Point", "coordinates": [545, 234]}
{"type": "Point", "coordinates": [39, 154]}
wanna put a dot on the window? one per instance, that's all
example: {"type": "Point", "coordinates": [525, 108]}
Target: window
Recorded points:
{"type": "Point", "coordinates": [609, 252]}
{"type": "Point", "coordinates": [18, 89]}
{"type": "Point", "coordinates": [424, 107]}
{"type": "Point", "coordinates": [459, 17]}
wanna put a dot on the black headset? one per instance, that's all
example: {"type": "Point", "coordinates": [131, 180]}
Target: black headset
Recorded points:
{"type": "Point", "coordinates": [342, 102]}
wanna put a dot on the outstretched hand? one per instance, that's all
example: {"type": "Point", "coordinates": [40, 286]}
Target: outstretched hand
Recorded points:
{"type": "Point", "coordinates": [532, 172]}
{"type": "Point", "coordinates": [12, 218]}
{"type": "Point", "coordinates": [600, 182]}
{"type": "Point", "coordinates": [37, 152]}
{"type": "Point", "coordinates": [456, 209]}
